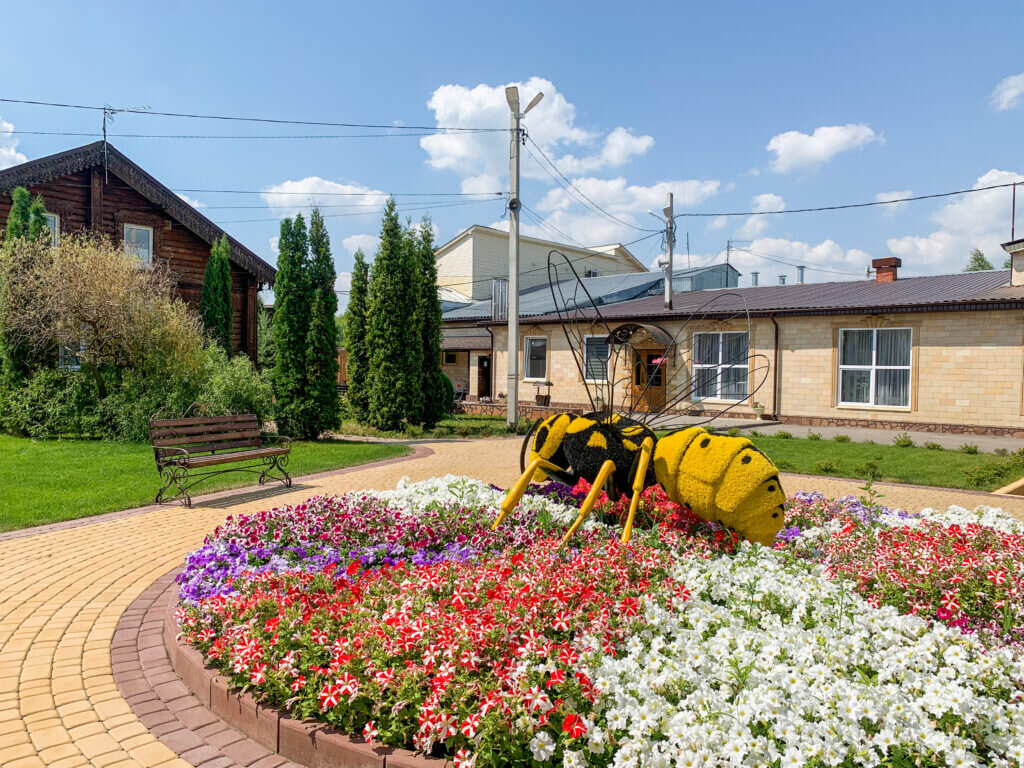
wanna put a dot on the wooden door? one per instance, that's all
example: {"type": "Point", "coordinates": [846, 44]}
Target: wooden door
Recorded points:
{"type": "Point", "coordinates": [649, 380]}
{"type": "Point", "coordinates": [483, 376]}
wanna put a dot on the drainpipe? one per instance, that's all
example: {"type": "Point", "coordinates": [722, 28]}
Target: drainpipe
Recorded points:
{"type": "Point", "coordinates": [494, 393]}
{"type": "Point", "coordinates": [775, 370]}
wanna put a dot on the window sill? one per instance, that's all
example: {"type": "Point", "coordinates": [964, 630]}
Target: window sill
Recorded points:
{"type": "Point", "coordinates": [873, 408]}
{"type": "Point", "coordinates": [718, 401]}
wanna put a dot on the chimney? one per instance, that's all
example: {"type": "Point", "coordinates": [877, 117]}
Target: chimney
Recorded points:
{"type": "Point", "coordinates": [782, 279]}
{"type": "Point", "coordinates": [800, 275]}
{"type": "Point", "coordinates": [753, 278]}
{"type": "Point", "coordinates": [1016, 250]}
{"type": "Point", "coordinates": [885, 269]}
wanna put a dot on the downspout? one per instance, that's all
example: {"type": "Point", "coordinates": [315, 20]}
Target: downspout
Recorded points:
{"type": "Point", "coordinates": [775, 370]}
{"type": "Point", "coordinates": [494, 392]}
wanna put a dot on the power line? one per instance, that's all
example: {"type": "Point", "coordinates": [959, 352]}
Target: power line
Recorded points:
{"type": "Point", "coordinates": [778, 260]}
{"type": "Point", "coordinates": [275, 121]}
{"type": "Point", "coordinates": [367, 193]}
{"type": "Point", "coordinates": [853, 205]}
{"type": "Point", "coordinates": [223, 136]}
{"type": "Point", "coordinates": [418, 207]}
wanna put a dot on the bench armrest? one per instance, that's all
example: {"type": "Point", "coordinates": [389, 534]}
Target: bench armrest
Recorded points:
{"type": "Point", "coordinates": [180, 456]}
{"type": "Point", "coordinates": [278, 440]}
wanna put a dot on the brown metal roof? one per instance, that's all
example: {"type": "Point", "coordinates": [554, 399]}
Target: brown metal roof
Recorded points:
{"type": "Point", "coordinates": [452, 342]}
{"type": "Point", "coordinates": [936, 292]}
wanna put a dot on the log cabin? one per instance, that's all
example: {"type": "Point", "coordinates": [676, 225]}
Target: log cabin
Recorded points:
{"type": "Point", "coordinates": [96, 187]}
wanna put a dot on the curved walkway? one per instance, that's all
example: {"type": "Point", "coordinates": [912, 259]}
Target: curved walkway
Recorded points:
{"type": "Point", "coordinates": [64, 588]}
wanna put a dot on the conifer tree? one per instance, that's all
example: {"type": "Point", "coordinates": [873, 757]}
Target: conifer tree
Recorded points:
{"type": "Point", "coordinates": [37, 226]}
{"type": "Point", "coordinates": [323, 406]}
{"type": "Point", "coordinates": [435, 403]}
{"type": "Point", "coordinates": [358, 365]}
{"type": "Point", "coordinates": [291, 324]}
{"type": "Point", "coordinates": [414, 317]}
{"type": "Point", "coordinates": [215, 298]}
{"type": "Point", "coordinates": [18, 218]}
{"type": "Point", "coordinates": [264, 338]}
{"type": "Point", "coordinates": [389, 330]}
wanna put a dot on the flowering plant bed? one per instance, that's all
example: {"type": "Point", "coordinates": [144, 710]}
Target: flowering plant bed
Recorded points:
{"type": "Point", "coordinates": [399, 615]}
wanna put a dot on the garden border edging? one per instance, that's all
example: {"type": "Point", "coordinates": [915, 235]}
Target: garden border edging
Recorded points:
{"type": "Point", "coordinates": [314, 745]}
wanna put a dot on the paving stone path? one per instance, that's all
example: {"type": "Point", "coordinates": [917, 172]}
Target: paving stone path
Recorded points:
{"type": "Point", "coordinates": [64, 588]}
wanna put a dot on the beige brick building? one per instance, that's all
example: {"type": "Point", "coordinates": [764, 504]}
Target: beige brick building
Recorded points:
{"type": "Point", "coordinates": [941, 353]}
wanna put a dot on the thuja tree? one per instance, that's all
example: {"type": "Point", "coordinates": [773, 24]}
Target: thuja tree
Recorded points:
{"type": "Point", "coordinates": [215, 298]}
{"type": "Point", "coordinates": [389, 335]}
{"type": "Point", "coordinates": [435, 403]}
{"type": "Point", "coordinates": [358, 365]}
{"type": "Point", "coordinates": [291, 324]}
{"type": "Point", "coordinates": [323, 406]}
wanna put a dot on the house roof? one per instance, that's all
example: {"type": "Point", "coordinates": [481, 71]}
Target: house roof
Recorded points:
{"type": "Point", "coordinates": [78, 159]}
{"type": "Point", "coordinates": [597, 250]}
{"type": "Point", "coordinates": [967, 290]}
{"type": "Point", "coordinates": [453, 341]}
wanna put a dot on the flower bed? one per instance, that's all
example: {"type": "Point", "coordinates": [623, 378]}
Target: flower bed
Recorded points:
{"type": "Point", "coordinates": [401, 616]}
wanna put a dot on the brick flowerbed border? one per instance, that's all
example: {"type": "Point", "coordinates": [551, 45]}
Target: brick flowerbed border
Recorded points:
{"type": "Point", "coordinates": [193, 711]}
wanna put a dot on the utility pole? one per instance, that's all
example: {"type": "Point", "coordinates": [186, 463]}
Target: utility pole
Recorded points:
{"type": "Point", "coordinates": [670, 240]}
{"type": "Point", "coordinates": [514, 205]}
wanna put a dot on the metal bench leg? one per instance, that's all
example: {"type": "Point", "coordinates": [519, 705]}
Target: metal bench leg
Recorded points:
{"type": "Point", "coordinates": [279, 463]}
{"type": "Point", "coordinates": [177, 477]}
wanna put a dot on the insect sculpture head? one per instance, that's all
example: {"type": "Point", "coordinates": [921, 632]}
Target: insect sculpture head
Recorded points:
{"type": "Point", "coordinates": [723, 480]}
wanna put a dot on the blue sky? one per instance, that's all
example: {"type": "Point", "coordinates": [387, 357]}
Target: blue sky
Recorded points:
{"type": "Point", "coordinates": [732, 106]}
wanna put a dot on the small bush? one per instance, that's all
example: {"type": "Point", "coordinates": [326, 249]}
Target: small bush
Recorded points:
{"type": "Point", "coordinates": [463, 430]}
{"type": "Point", "coordinates": [970, 448]}
{"type": "Point", "coordinates": [414, 430]}
{"type": "Point", "coordinates": [932, 446]}
{"type": "Point", "coordinates": [755, 433]}
{"type": "Point", "coordinates": [1001, 452]}
{"type": "Point", "coordinates": [733, 432]}
{"type": "Point", "coordinates": [870, 442]}
{"type": "Point", "coordinates": [871, 469]}
{"type": "Point", "coordinates": [826, 467]}
{"type": "Point", "coordinates": [903, 440]}
{"type": "Point", "coordinates": [814, 435]}
{"type": "Point", "coordinates": [785, 465]}
{"type": "Point", "coordinates": [840, 438]}
{"type": "Point", "coordinates": [783, 435]}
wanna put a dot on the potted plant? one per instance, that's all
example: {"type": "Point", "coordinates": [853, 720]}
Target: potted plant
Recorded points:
{"type": "Point", "coordinates": [758, 409]}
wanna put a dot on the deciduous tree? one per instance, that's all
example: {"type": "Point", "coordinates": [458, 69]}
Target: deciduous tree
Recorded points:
{"type": "Point", "coordinates": [978, 261]}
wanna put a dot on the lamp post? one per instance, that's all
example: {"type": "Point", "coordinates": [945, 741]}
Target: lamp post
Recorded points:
{"type": "Point", "coordinates": [514, 206]}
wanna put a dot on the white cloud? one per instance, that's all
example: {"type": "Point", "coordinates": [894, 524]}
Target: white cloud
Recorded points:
{"type": "Point", "coordinates": [481, 159]}
{"type": "Point", "coordinates": [978, 220]}
{"type": "Point", "coordinates": [827, 254]}
{"type": "Point", "coordinates": [767, 202]}
{"type": "Point", "coordinates": [1008, 93]}
{"type": "Point", "coordinates": [9, 154]}
{"type": "Point", "coordinates": [628, 200]}
{"type": "Point", "coordinates": [896, 194]}
{"type": "Point", "coordinates": [368, 243]}
{"type": "Point", "coordinates": [795, 150]}
{"type": "Point", "coordinates": [291, 197]}
{"type": "Point", "coordinates": [754, 226]}
{"type": "Point", "coordinates": [343, 282]}
{"type": "Point", "coordinates": [273, 244]}
{"type": "Point", "coordinates": [191, 200]}
{"type": "Point", "coordinates": [719, 222]}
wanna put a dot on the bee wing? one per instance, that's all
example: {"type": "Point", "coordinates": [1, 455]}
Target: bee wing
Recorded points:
{"type": "Point", "coordinates": [578, 314]}
{"type": "Point", "coordinates": [725, 349]}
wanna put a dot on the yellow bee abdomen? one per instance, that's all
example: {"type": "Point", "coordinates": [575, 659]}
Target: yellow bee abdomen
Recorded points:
{"type": "Point", "coordinates": [548, 440]}
{"type": "Point", "coordinates": [597, 440]}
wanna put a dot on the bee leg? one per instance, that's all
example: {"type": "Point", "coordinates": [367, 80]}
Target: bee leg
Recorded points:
{"type": "Point", "coordinates": [588, 503]}
{"type": "Point", "coordinates": [643, 459]}
{"type": "Point", "coordinates": [517, 490]}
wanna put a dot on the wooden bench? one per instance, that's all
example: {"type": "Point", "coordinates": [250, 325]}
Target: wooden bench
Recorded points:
{"type": "Point", "coordinates": [184, 445]}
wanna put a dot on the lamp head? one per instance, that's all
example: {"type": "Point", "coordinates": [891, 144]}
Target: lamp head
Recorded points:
{"type": "Point", "coordinates": [512, 97]}
{"type": "Point", "coordinates": [533, 102]}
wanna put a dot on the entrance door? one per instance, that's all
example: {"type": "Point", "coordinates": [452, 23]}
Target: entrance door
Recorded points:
{"type": "Point", "coordinates": [483, 376]}
{"type": "Point", "coordinates": [649, 380]}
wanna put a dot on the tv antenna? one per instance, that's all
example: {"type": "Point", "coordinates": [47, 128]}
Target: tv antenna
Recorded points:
{"type": "Point", "coordinates": [108, 116]}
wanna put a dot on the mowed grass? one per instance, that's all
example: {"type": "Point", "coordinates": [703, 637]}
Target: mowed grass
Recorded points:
{"type": "Point", "coordinates": [47, 481]}
{"type": "Point", "coordinates": [457, 426]}
{"type": "Point", "coordinates": [890, 463]}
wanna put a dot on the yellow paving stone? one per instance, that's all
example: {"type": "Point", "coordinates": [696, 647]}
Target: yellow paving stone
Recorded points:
{"type": "Point", "coordinates": [51, 754]}
{"type": "Point", "coordinates": [13, 752]}
{"type": "Point", "coordinates": [151, 754]}
{"type": "Point", "coordinates": [70, 762]}
{"type": "Point", "coordinates": [86, 730]}
{"type": "Point", "coordinates": [32, 761]}
{"type": "Point", "coordinates": [36, 703]}
{"type": "Point", "coordinates": [124, 732]}
{"type": "Point", "coordinates": [112, 708]}
{"type": "Point", "coordinates": [97, 744]}
{"type": "Point", "coordinates": [132, 742]}
{"type": "Point", "coordinates": [49, 737]}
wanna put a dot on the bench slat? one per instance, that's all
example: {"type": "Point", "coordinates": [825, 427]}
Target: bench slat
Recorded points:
{"type": "Point", "coordinates": [199, 429]}
{"type": "Point", "coordinates": [225, 458]}
{"type": "Point", "coordinates": [214, 437]}
{"type": "Point", "coordinates": [199, 420]}
{"type": "Point", "coordinates": [199, 450]}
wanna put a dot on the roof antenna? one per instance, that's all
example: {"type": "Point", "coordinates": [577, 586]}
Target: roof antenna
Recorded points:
{"type": "Point", "coordinates": [108, 114]}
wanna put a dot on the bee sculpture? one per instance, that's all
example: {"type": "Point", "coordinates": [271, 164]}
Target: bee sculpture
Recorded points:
{"type": "Point", "coordinates": [722, 479]}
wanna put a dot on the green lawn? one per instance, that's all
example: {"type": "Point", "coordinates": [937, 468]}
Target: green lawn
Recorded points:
{"type": "Point", "coordinates": [46, 481]}
{"type": "Point", "coordinates": [890, 463]}
{"type": "Point", "coordinates": [461, 425]}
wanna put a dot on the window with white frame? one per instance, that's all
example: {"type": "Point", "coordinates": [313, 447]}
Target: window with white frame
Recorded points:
{"type": "Point", "coordinates": [53, 224]}
{"type": "Point", "coordinates": [720, 368]}
{"type": "Point", "coordinates": [535, 358]}
{"type": "Point", "coordinates": [874, 367]}
{"type": "Point", "coordinates": [138, 242]}
{"type": "Point", "coordinates": [596, 352]}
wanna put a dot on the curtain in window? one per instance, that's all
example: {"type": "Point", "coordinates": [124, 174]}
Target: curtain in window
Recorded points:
{"type": "Point", "coordinates": [705, 349]}
{"type": "Point", "coordinates": [893, 346]}
{"type": "Point", "coordinates": [855, 387]}
{"type": "Point", "coordinates": [536, 358]}
{"type": "Point", "coordinates": [596, 353]}
{"type": "Point", "coordinates": [856, 348]}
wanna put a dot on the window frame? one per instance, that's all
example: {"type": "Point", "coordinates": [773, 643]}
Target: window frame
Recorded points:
{"type": "Point", "coordinates": [719, 366]}
{"type": "Point", "coordinates": [873, 369]}
{"type": "Point", "coordinates": [65, 356]}
{"type": "Point", "coordinates": [152, 241]}
{"type": "Point", "coordinates": [607, 362]}
{"type": "Point", "coordinates": [55, 229]}
{"type": "Point", "coordinates": [526, 357]}
{"type": "Point", "coordinates": [453, 361]}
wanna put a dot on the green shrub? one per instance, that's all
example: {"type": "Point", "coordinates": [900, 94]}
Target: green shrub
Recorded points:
{"type": "Point", "coordinates": [449, 393]}
{"type": "Point", "coordinates": [932, 446]}
{"type": "Point", "coordinates": [1001, 452]}
{"type": "Point", "coordinates": [783, 435]}
{"type": "Point", "coordinates": [463, 430]}
{"type": "Point", "coordinates": [785, 465]}
{"type": "Point", "coordinates": [870, 469]}
{"type": "Point", "coordinates": [903, 440]}
{"type": "Point", "coordinates": [414, 430]}
{"type": "Point", "coordinates": [826, 467]}
{"type": "Point", "coordinates": [970, 448]}
{"type": "Point", "coordinates": [841, 438]}
{"type": "Point", "coordinates": [733, 432]}
{"type": "Point", "coordinates": [814, 435]}
{"type": "Point", "coordinates": [755, 433]}
{"type": "Point", "coordinates": [50, 403]}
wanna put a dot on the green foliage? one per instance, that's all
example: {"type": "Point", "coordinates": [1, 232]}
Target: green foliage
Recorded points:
{"type": "Point", "coordinates": [215, 297]}
{"type": "Point", "coordinates": [449, 392]}
{"type": "Point", "coordinates": [840, 438]}
{"type": "Point", "coordinates": [291, 324]}
{"type": "Point", "coordinates": [977, 261]}
{"type": "Point", "coordinates": [435, 402]}
{"type": "Point", "coordinates": [783, 435]}
{"type": "Point", "coordinates": [264, 338]}
{"type": "Point", "coordinates": [50, 403]}
{"type": "Point", "coordinates": [1008, 262]}
{"type": "Point", "coordinates": [733, 432]}
{"type": "Point", "coordinates": [1001, 452]}
{"type": "Point", "coordinates": [358, 365]}
{"type": "Point", "coordinates": [390, 336]}
{"type": "Point", "coordinates": [37, 226]}
{"type": "Point", "coordinates": [870, 469]}
{"type": "Point", "coordinates": [814, 435]}
{"type": "Point", "coordinates": [932, 446]}
{"type": "Point", "coordinates": [18, 218]}
{"type": "Point", "coordinates": [339, 329]}
{"type": "Point", "coordinates": [968, 448]}
{"type": "Point", "coordinates": [903, 440]}
{"type": "Point", "coordinates": [826, 467]}
{"type": "Point", "coordinates": [322, 409]}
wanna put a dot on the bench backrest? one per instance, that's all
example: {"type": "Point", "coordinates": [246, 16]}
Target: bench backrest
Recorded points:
{"type": "Point", "coordinates": [204, 434]}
